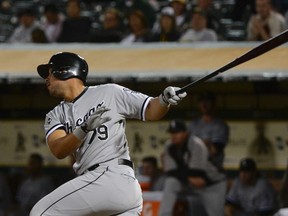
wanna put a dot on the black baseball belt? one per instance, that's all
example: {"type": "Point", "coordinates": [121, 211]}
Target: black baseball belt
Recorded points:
{"type": "Point", "coordinates": [121, 161]}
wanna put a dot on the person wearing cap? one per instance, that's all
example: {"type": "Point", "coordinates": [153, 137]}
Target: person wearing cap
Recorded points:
{"type": "Point", "coordinates": [188, 171]}
{"type": "Point", "coordinates": [180, 12]}
{"type": "Point", "coordinates": [250, 194]}
{"type": "Point", "coordinates": [212, 129]}
{"type": "Point", "coordinates": [167, 30]}
{"type": "Point", "coordinates": [198, 30]}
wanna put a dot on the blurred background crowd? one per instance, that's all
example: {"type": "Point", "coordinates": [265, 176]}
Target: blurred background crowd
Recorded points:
{"type": "Point", "coordinates": [128, 21]}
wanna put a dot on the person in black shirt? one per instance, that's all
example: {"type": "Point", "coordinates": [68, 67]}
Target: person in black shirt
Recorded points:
{"type": "Point", "coordinates": [76, 28]}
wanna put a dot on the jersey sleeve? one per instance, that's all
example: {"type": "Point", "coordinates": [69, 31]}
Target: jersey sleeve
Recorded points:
{"type": "Point", "coordinates": [199, 157]}
{"type": "Point", "coordinates": [53, 122]}
{"type": "Point", "coordinates": [131, 104]}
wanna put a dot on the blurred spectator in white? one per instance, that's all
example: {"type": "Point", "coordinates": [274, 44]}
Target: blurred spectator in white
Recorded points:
{"type": "Point", "coordinates": [76, 28]}
{"type": "Point", "coordinates": [5, 195]}
{"type": "Point", "coordinates": [266, 23]}
{"type": "Point", "coordinates": [27, 23]}
{"type": "Point", "coordinates": [179, 7]}
{"type": "Point", "coordinates": [52, 22]}
{"type": "Point", "coordinates": [111, 29]}
{"type": "Point", "coordinates": [167, 31]}
{"type": "Point", "coordinates": [34, 187]}
{"type": "Point", "coordinates": [138, 28]}
{"type": "Point", "coordinates": [198, 30]}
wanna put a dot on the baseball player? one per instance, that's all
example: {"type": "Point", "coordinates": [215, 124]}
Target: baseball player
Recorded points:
{"type": "Point", "coordinates": [189, 171]}
{"type": "Point", "coordinates": [90, 125]}
{"type": "Point", "coordinates": [250, 194]}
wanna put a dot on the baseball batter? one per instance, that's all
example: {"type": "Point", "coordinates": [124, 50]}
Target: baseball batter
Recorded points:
{"type": "Point", "coordinates": [90, 125]}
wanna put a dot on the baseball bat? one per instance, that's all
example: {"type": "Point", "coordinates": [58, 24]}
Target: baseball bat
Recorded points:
{"type": "Point", "coordinates": [255, 52]}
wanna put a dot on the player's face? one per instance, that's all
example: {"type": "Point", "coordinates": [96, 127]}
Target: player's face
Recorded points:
{"type": "Point", "coordinates": [206, 107]}
{"type": "Point", "coordinates": [178, 138]}
{"type": "Point", "coordinates": [54, 86]}
{"type": "Point", "coordinates": [246, 177]}
{"type": "Point", "coordinates": [148, 169]}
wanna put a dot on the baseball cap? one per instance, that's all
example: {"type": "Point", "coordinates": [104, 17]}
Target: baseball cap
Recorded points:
{"type": "Point", "coordinates": [198, 10]}
{"type": "Point", "coordinates": [247, 164]}
{"type": "Point", "coordinates": [167, 11]}
{"type": "Point", "coordinates": [176, 125]}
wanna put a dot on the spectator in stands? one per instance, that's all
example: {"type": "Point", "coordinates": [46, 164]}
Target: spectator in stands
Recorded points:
{"type": "Point", "coordinates": [212, 129]}
{"type": "Point", "coordinates": [168, 30]}
{"type": "Point", "coordinates": [198, 30]}
{"type": "Point", "coordinates": [5, 195]}
{"type": "Point", "coordinates": [189, 172]}
{"type": "Point", "coordinates": [34, 187]}
{"type": "Point", "coordinates": [138, 28]}
{"type": "Point", "coordinates": [27, 23]}
{"type": "Point", "coordinates": [179, 7]}
{"type": "Point", "coordinates": [266, 23]}
{"type": "Point", "coordinates": [150, 169]}
{"type": "Point", "coordinates": [212, 16]}
{"type": "Point", "coordinates": [250, 193]}
{"type": "Point", "coordinates": [128, 6]}
{"type": "Point", "coordinates": [240, 7]}
{"type": "Point", "coordinates": [111, 29]}
{"type": "Point", "coordinates": [52, 22]}
{"type": "Point", "coordinates": [38, 36]}
{"type": "Point", "coordinates": [76, 28]}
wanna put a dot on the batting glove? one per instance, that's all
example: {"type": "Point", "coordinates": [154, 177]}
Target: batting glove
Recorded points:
{"type": "Point", "coordinates": [169, 96]}
{"type": "Point", "coordinates": [94, 121]}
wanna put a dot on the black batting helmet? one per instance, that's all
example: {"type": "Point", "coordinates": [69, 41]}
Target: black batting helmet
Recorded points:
{"type": "Point", "coordinates": [65, 65]}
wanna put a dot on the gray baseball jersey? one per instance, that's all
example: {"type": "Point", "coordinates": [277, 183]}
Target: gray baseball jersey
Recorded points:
{"type": "Point", "coordinates": [111, 188]}
{"type": "Point", "coordinates": [108, 141]}
{"type": "Point", "coordinates": [254, 199]}
{"type": "Point", "coordinates": [217, 131]}
{"type": "Point", "coordinates": [195, 158]}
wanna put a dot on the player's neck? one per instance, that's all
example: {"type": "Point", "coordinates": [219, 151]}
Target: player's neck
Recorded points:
{"type": "Point", "coordinates": [74, 92]}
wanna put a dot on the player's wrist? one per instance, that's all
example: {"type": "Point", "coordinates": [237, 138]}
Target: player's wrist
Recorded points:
{"type": "Point", "coordinates": [79, 133]}
{"type": "Point", "coordinates": [163, 100]}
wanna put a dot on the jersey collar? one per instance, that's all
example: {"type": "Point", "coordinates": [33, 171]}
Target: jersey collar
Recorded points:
{"type": "Point", "coordinates": [75, 99]}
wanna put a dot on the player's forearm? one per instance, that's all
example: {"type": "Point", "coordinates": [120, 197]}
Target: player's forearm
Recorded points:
{"type": "Point", "coordinates": [155, 110]}
{"type": "Point", "coordinates": [64, 146]}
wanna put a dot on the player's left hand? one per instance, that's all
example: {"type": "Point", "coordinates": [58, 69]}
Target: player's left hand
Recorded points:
{"type": "Point", "coordinates": [169, 96]}
{"type": "Point", "coordinates": [93, 121]}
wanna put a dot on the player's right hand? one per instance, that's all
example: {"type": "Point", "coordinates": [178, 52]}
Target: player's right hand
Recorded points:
{"type": "Point", "coordinates": [169, 96]}
{"type": "Point", "coordinates": [94, 121]}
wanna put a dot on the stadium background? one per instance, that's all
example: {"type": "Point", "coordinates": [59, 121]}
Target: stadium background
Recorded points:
{"type": "Point", "coordinates": [250, 96]}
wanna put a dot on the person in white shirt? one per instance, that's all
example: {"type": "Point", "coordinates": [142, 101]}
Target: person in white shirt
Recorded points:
{"type": "Point", "coordinates": [266, 23]}
{"type": "Point", "coordinates": [23, 32]}
{"type": "Point", "coordinates": [52, 22]}
{"type": "Point", "coordinates": [198, 30]}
